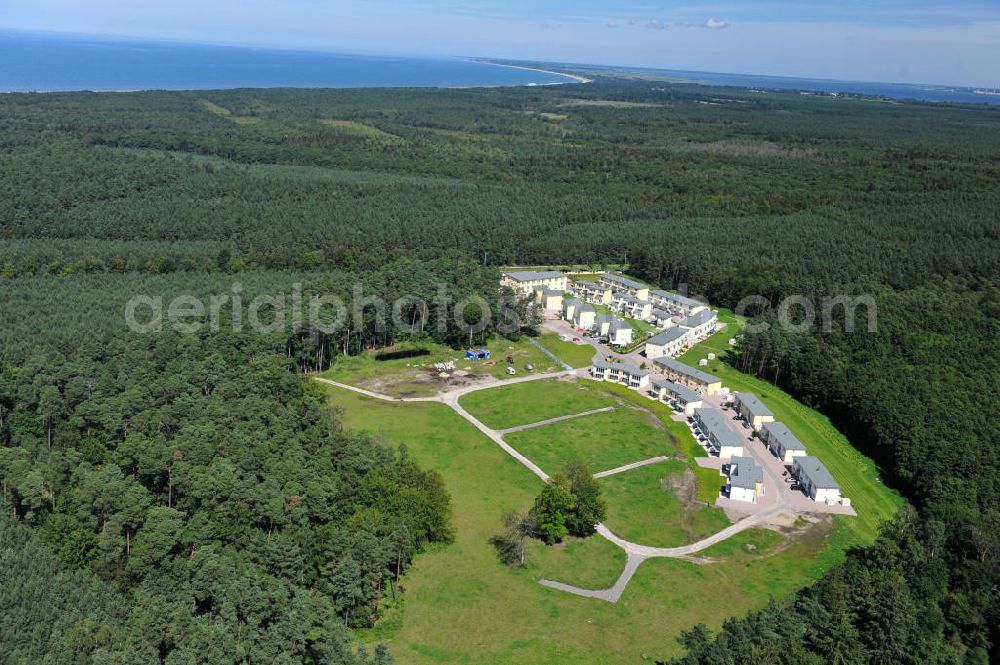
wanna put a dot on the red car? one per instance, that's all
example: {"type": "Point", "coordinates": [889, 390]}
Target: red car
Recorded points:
{"type": "Point", "coordinates": [576, 339]}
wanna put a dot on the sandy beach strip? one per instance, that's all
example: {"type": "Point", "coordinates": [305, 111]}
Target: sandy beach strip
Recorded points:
{"type": "Point", "coordinates": [574, 77]}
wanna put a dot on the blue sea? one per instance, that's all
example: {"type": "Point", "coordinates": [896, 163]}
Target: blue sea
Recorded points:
{"type": "Point", "coordinates": [46, 63]}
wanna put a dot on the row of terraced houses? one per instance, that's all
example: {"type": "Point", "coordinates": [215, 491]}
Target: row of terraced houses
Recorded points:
{"type": "Point", "coordinates": [683, 322]}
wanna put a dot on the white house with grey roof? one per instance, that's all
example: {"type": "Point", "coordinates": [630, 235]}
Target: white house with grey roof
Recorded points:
{"type": "Point", "coordinates": [816, 481]}
{"type": "Point", "coordinates": [527, 281]}
{"type": "Point", "coordinates": [569, 307]}
{"type": "Point", "coordinates": [623, 373]}
{"type": "Point", "coordinates": [690, 377]}
{"type": "Point", "coordinates": [675, 303]}
{"type": "Point", "coordinates": [661, 318]}
{"type": "Point", "coordinates": [625, 285]}
{"type": "Point", "coordinates": [619, 333]}
{"type": "Point", "coordinates": [700, 324]}
{"type": "Point", "coordinates": [667, 343]}
{"type": "Point", "coordinates": [720, 434]}
{"type": "Point", "coordinates": [781, 442]}
{"type": "Point", "coordinates": [746, 480]}
{"type": "Point", "coordinates": [602, 323]}
{"type": "Point", "coordinates": [681, 398]}
{"type": "Point", "coordinates": [752, 409]}
{"type": "Point", "coordinates": [584, 316]}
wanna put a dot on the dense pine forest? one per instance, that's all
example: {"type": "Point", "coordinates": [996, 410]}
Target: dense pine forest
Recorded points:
{"type": "Point", "coordinates": [187, 498]}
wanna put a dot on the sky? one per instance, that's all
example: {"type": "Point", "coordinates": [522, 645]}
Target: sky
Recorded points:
{"type": "Point", "coordinates": [955, 42]}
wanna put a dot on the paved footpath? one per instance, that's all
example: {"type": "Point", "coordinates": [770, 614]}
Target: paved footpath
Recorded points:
{"type": "Point", "coordinates": [552, 421]}
{"type": "Point", "coordinates": [629, 467]}
{"type": "Point", "coordinates": [635, 552]}
{"type": "Point", "coordinates": [551, 355]}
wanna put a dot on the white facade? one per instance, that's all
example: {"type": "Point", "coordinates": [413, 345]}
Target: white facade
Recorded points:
{"type": "Point", "coordinates": [746, 480]}
{"type": "Point", "coordinates": [623, 373]}
{"type": "Point", "coordinates": [700, 324]}
{"type": "Point", "coordinates": [720, 435]}
{"type": "Point", "coordinates": [681, 398]}
{"type": "Point", "coordinates": [781, 442]}
{"type": "Point", "coordinates": [666, 344]}
{"type": "Point", "coordinates": [619, 333]}
{"type": "Point", "coordinates": [584, 316]}
{"type": "Point", "coordinates": [815, 480]}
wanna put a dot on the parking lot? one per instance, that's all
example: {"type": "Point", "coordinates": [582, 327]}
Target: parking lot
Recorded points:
{"type": "Point", "coordinates": [777, 488]}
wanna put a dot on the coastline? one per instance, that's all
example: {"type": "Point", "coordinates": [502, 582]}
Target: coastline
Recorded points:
{"type": "Point", "coordinates": [574, 77]}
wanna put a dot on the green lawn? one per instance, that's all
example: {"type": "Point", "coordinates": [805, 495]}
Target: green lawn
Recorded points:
{"type": "Point", "coordinates": [603, 440]}
{"type": "Point", "coordinates": [645, 507]}
{"type": "Point", "coordinates": [460, 605]}
{"type": "Point", "coordinates": [412, 377]}
{"type": "Point", "coordinates": [574, 355]}
{"type": "Point", "coordinates": [591, 563]}
{"type": "Point", "coordinates": [532, 401]}
{"type": "Point", "coordinates": [857, 474]}
{"type": "Point", "coordinates": [708, 479]}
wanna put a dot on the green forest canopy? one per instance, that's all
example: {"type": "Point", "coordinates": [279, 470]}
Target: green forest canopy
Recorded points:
{"type": "Point", "coordinates": [116, 449]}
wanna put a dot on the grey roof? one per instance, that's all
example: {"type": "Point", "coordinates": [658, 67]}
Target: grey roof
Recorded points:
{"type": "Point", "coordinates": [817, 473]}
{"type": "Point", "coordinates": [667, 336]}
{"type": "Point", "coordinates": [779, 432]}
{"type": "Point", "coordinates": [677, 298]}
{"type": "Point", "coordinates": [592, 286]}
{"type": "Point", "coordinates": [698, 318]}
{"type": "Point", "coordinates": [633, 369]}
{"type": "Point", "coordinates": [624, 281]}
{"type": "Point", "coordinates": [661, 314]}
{"type": "Point", "coordinates": [683, 392]}
{"type": "Point", "coordinates": [687, 370]}
{"type": "Point", "coordinates": [744, 473]}
{"type": "Point", "coordinates": [585, 307]}
{"type": "Point", "coordinates": [618, 324]}
{"type": "Point", "coordinates": [532, 275]}
{"type": "Point", "coordinates": [753, 404]}
{"type": "Point", "coordinates": [574, 302]}
{"type": "Point", "coordinates": [602, 317]}
{"type": "Point", "coordinates": [625, 367]}
{"type": "Point", "coordinates": [550, 292]}
{"type": "Point", "coordinates": [716, 424]}
{"type": "Point", "coordinates": [626, 297]}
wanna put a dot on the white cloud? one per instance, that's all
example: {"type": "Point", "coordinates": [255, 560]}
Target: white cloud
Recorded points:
{"type": "Point", "coordinates": [715, 24]}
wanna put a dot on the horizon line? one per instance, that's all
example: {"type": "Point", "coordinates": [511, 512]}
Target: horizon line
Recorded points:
{"type": "Point", "coordinates": [490, 59]}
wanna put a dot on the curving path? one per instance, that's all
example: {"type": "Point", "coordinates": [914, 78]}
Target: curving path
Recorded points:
{"type": "Point", "coordinates": [635, 552]}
